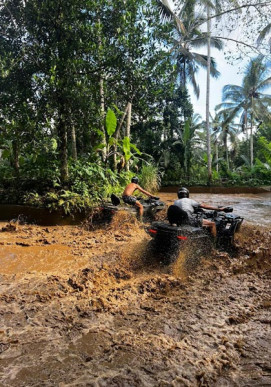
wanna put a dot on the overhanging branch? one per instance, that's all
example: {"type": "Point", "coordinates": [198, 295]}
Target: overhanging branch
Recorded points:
{"type": "Point", "coordinates": [238, 42]}
{"type": "Point", "coordinates": [263, 4]}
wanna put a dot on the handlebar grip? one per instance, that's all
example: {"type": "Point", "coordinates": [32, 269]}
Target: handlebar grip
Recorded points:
{"type": "Point", "coordinates": [228, 209]}
{"type": "Point", "coordinates": [155, 197]}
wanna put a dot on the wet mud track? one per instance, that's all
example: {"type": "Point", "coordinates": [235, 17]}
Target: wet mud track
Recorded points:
{"type": "Point", "coordinates": [85, 308]}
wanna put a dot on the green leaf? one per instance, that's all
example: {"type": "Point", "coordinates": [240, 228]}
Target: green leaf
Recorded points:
{"type": "Point", "coordinates": [5, 154]}
{"type": "Point", "coordinates": [136, 149]}
{"type": "Point", "coordinates": [126, 145]}
{"type": "Point", "coordinates": [54, 144]}
{"type": "Point", "coordinates": [112, 141]}
{"type": "Point", "coordinates": [99, 146]}
{"type": "Point", "coordinates": [126, 148]}
{"type": "Point", "coordinates": [117, 109]}
{"type": "Point", "coordinates": [111, 122]}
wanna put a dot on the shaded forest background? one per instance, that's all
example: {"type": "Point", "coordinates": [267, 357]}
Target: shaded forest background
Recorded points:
{"type": "Point", "coordinates": [93, 92]}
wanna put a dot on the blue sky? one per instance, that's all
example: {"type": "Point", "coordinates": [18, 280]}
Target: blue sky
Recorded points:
{"type": "Point", "coordinates": [230, 74]}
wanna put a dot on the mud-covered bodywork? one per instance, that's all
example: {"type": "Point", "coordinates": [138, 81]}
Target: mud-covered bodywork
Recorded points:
{"type": "Point", "coordinates": [169, 239]}
{"type": "Point", "coordinates": [227, 225]}
{"type": "Point", "coordinates": [150, 208]}
{"type": "Point", "coordinates": [165, 231]}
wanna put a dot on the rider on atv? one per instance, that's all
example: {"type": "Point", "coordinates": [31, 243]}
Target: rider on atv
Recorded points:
{"type": "Point", "coordinates": [185, 207]}
{"type": "Point", "coordinates": [132, 200]}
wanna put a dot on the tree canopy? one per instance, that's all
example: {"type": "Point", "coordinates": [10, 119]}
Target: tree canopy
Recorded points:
{"type": "Point", "coordinates": [92, 91]}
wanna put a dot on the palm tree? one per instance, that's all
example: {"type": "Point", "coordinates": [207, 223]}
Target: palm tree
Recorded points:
{"type": "Point", "coordinates": [215, 122]}
{"type": "Point", "coordinates": [188, 139]}
{"type": "Point", "coordinates": [224, 131]}
{"type": "Point", "coordinates": [186, 39]}
{"type": "Point", "coordinates": [249, 99]}
{"type": "Point", "coordinates": [263, 34]}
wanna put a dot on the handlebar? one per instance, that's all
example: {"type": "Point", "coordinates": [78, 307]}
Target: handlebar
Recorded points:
{"type": "Point", "coordinates": [228, 209]}
{"type": "Point", "coordinates": [149, 198]}
{"type": "Point", "coordinates": [220, 208]}
{"type": "Point", "coordinates": [213, 213]}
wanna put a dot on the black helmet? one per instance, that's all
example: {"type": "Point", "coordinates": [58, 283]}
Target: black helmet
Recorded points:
{"type": "Point", "coordinates": [183, 193]}
{"type": "Point", "coordinates": [135, 180]}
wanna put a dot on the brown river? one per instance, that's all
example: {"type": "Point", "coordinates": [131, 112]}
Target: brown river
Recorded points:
{"type": "Point", "coordinates": [84, 306]}
{"type": "Point", "coordinates": [255, 208]}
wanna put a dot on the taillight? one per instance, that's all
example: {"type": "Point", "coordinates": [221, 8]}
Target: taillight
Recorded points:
{"type": "Point", "coordinates": [152, 231]}
{"type": "Point", "coordinates": [182, 238]}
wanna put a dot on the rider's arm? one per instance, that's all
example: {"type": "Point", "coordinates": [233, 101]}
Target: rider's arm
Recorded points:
{"type": "Point", "coordinates": [145, 192]}
{"type": "Point", "coordinates": [208, 207]}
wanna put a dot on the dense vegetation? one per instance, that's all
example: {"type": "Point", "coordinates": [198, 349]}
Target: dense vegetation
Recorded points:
{"type": "Point", "coordinates": [92, 92]}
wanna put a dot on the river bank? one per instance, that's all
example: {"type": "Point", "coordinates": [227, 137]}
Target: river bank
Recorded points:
{"type": "Point", "coordinates": [87, 308]}
{"type": "Point", "coordinates": [45, 217]}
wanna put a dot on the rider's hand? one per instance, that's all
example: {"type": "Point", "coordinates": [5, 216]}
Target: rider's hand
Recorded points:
{"type": "Point", "coordinates": [227, 209]}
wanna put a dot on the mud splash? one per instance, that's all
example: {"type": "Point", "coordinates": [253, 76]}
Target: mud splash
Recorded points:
{"type": "Point", "coordinates": [95, 308]}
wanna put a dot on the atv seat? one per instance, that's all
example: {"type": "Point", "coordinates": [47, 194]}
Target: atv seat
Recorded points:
{"type": "Point", "coordinates": [115, 200]}
{"type": "Point", "coordinates": [176, 215]}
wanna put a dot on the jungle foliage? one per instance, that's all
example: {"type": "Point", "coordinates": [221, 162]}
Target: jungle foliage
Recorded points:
{"type": "Point", "coordinates": [93, 92]}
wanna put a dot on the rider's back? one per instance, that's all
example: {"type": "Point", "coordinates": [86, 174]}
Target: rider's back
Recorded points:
{"type": "Point", "coordinates": [130, 189]}
{"type": "Point", "coordinates": [187, 205]}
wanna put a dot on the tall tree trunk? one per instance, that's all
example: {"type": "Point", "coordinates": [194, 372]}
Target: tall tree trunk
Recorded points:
{"type": "Point", "coordinates": [63, 149]}
{"type": "Point", "coordinates": [166, 131]}
{"type": "Point", "coordinates": [102, 110]}
{"type": "Point", "coordinates": [246, 129]}
{"type": "Point", "coordinates": [226, 152]}
{"type": "Point", "coordinates": [246, 132]}
{"type": "Point", "coordinates": [74, 148]}
{"type": "Point", "coordinates": [251, 134]}
{"type": "Point", "coordinates": [209, 161]}
{"type": "Point", "coordinates": [128, 129]}
{"type": "Point", "coordinates": [63, 115]}
{"type": "Point", "coordinates": [251, 142]}
{"type": "Point", "coordinates": [251, 145]}
{"type": "Point", "coordinates": [102, 102]}
{"type": "Point", "coordinates": [188, 162]}
{"type": "Point", "coordinates": [15, 149]}
{"type": "Point", "coordinates": [62, 103]}
{"type": "Point", "coordinates": [183, 79]}
{"type": "Point", "coordinates": [216, 156]}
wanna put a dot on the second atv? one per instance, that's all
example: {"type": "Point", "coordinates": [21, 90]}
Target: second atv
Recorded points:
{"type": "Point", "coordinates": [150, 207]}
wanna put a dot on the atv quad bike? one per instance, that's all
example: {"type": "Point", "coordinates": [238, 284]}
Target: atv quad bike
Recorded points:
{"type": "Point", "coordinates": [150, 207]}
{"type": "Point", "coordinates": [169, 238]}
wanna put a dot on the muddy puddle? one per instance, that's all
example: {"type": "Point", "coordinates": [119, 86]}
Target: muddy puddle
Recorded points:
{"type": "Point", "coordinates": [255, 208]}
{"type": "Point", "coordinates": [85, 307]}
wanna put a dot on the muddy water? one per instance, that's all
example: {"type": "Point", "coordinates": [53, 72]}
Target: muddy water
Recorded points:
{"type": "Point", "coordinates": [95, 308]}
{"type": "Point", "coordinates": [255, 208]}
